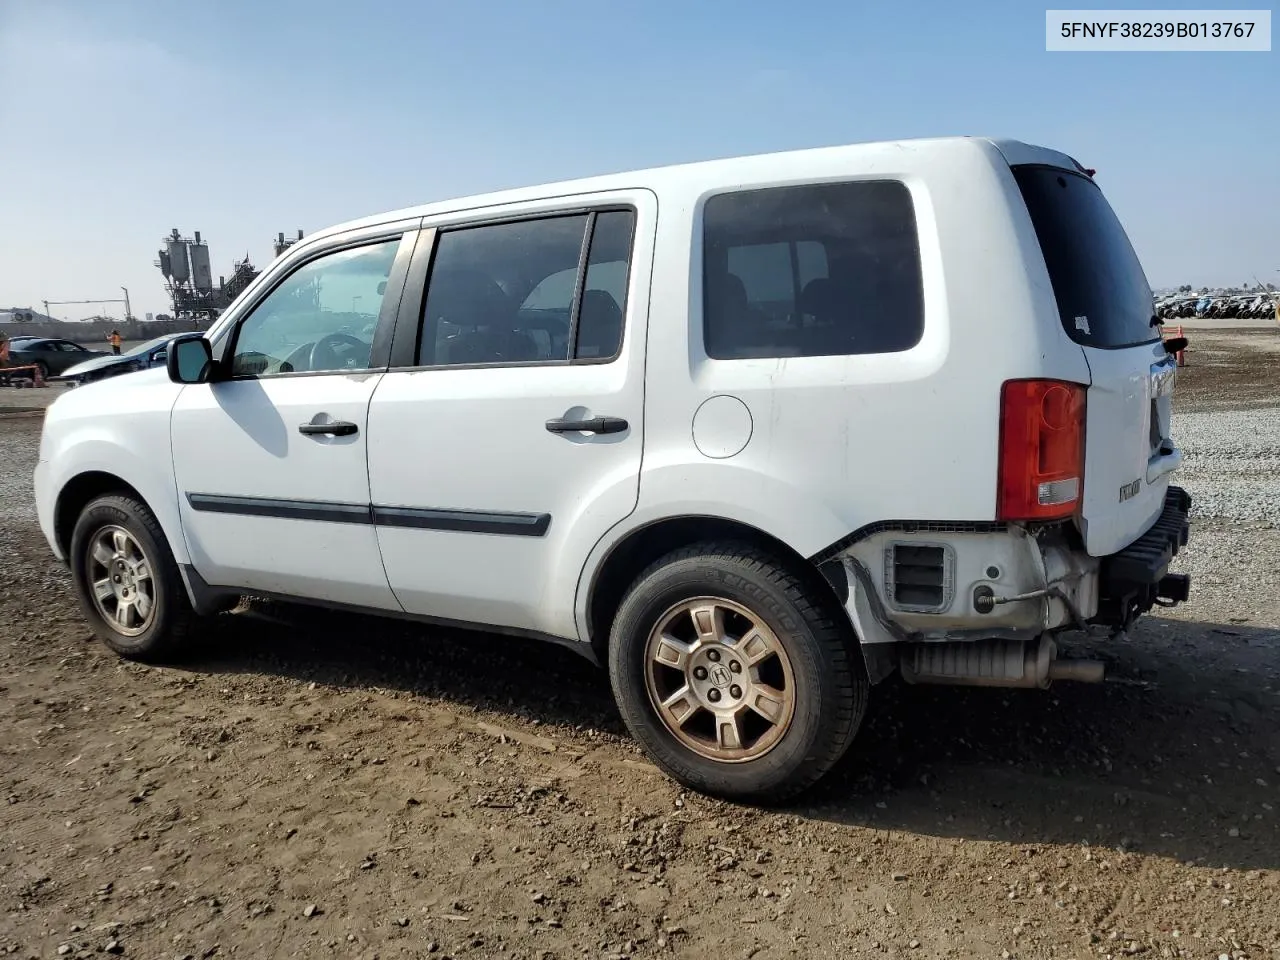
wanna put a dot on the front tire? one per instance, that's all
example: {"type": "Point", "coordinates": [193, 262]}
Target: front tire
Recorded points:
{"type": "Point", "coordinates": [734, 673]}
{"type": "Point", "coordinates": [127, 581]}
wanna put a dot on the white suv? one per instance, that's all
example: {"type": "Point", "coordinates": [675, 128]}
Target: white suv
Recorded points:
{"type": "Point", "coordinates": [755, 433]}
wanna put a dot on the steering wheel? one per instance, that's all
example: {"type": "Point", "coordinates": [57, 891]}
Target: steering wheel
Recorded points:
{"type": "Point", "coordinates": [323, 355]}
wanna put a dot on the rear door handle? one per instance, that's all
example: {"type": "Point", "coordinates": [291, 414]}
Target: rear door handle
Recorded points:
{"type": "Point", "coordinates": [334, 428]}
{"type": "Point", "coordinates": [594, 425]}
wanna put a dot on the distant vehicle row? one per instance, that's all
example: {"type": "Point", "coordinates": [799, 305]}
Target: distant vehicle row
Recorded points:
{"type": "Point", "coordinates": [1233, 307]}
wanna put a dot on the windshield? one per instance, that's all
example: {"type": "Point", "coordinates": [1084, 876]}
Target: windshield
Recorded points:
{"type": "Point", "coordinates": [149, 345]}
{"type": "Point", "coordinates": [1103, 296]}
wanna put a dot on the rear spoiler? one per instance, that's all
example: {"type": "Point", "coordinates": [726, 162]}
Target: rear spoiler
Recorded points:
{"type": "Point", "coordinates": [1087, 171]}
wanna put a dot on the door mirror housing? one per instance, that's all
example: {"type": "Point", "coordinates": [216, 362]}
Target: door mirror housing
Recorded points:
{"type": "Point", "coordinates": [190, 360]}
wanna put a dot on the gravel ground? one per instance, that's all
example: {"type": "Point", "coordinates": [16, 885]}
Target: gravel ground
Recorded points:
{"type": "Point", "coordinates": [312, 784]}
{"type": "Point", "coordinates": [19, 447]}
{"type": "Point", "coordinates": [14, 400]}
{"type": "Point", "coordinates": [1232, 468]}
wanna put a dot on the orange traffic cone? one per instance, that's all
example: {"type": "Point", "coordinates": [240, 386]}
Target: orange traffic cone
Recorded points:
{"type": "Point", "coordinates": [1182, 354]}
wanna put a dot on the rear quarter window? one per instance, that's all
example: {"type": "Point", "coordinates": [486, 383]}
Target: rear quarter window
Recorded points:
{"type": "Point", "coordinates": [1103, 296]}
{"type": "Point", "coordinates": [814, 270]}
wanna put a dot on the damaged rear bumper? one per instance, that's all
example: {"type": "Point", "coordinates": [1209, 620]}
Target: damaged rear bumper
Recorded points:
{"type": "Point", "coordinates": [1137, 578]}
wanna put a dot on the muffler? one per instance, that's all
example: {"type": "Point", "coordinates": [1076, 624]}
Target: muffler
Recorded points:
{"type": "Point", "coordinates": [995, 663]}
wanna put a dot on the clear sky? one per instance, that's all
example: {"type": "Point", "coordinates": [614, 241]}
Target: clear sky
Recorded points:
{"type": "Point", "coordinates": [120, 119]}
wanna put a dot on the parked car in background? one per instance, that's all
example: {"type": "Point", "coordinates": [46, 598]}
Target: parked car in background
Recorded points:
{"type": "Point", "coordinates": [153, 353]}
{"type": "Point", "coordinates": [52, 355]}
{"type": "Point", "coordinates": [15, 343]}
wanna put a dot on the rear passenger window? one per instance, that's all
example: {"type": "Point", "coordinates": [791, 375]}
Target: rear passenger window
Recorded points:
{"type": "Point", "coordinates": [817, 270]}
{"type": "Point", "coordinates": [528, 291]}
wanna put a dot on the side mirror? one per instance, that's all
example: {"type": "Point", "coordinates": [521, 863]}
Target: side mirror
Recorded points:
{"type": "Point", "coordinates": [190, 359]}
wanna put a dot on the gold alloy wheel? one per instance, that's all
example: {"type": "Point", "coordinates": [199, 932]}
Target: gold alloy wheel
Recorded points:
{"type": "Point", "coordinates": [720, 679]}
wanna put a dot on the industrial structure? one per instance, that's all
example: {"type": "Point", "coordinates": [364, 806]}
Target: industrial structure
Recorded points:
{"type": "Point", "coordinates": [188, 275]}
{"type": "Point", "coordinates": [282, 244]}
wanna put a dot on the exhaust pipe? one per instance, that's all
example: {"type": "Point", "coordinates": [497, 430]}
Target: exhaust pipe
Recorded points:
{"type": "Point", "coordinates": [995, 663]}
{"type": "Point", "coordinates": [1082, 671]}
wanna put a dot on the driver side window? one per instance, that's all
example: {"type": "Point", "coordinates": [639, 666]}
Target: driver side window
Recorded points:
{"type": "Point", "coordinates": [322, 317]}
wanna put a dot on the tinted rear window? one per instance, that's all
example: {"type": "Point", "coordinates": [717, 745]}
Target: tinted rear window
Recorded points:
{"type": "Point", "coordinates": [810, 271]}
{"type": "Point", "coordinates": [1103, 296]}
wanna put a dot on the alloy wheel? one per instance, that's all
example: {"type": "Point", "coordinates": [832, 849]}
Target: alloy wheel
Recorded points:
{"type": "Point", "coordinates": [121, 581]}
{"type": "Point", "coordinates": [719, 679]}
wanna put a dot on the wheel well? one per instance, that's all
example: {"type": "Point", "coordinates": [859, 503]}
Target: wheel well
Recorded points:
{"type": "Point", "coordinates": [81, 489]}
{"type": "Point", "coordinates": [628, 559]}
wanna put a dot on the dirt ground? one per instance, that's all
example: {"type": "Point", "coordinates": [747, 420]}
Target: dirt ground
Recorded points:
{"type": "Point", "coordinates": [1230, 370]}
{"type": "Point", "coordinates": [314, 785]}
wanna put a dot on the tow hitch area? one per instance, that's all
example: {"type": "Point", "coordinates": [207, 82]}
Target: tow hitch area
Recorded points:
{"type": "Point", "coordinates": [1137, 578]}
{"type": "Point", "coordinates": [1174, 588]}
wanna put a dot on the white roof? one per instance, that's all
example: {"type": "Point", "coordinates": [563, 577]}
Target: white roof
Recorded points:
{"type": "Point", "coordinates": [727, 169]}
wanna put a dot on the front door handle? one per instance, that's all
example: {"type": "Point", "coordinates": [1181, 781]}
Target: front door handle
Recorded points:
{"type": "Point", "coordinates": [334, 428]}
{"type": "Point", "coordinates": [594, 425]}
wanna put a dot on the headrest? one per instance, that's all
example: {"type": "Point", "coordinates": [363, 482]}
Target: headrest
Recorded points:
{"type": "Point", "coordinates": [468, 298]}
{"type": "Point", "coordinates": [819, 297]}
{"type": "Point", "coordinates": [728, 291]}
{"type": "Point", "coordinates": [600, 304]}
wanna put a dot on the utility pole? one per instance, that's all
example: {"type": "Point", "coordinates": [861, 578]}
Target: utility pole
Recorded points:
{"type": "Point", "coordinates": [128, 314]}
{"type": "Point", "coordinates": [46, 309]}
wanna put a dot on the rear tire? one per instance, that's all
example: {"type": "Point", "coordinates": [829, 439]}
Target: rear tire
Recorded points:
{"type": "Point", "coordinates": [127, 581]}
{"type": "Point", "coordinates": [735, 673]}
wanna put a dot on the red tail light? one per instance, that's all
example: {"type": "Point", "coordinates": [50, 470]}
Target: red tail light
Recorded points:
{"type": "Point", "coordinates": [1041, 450]}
